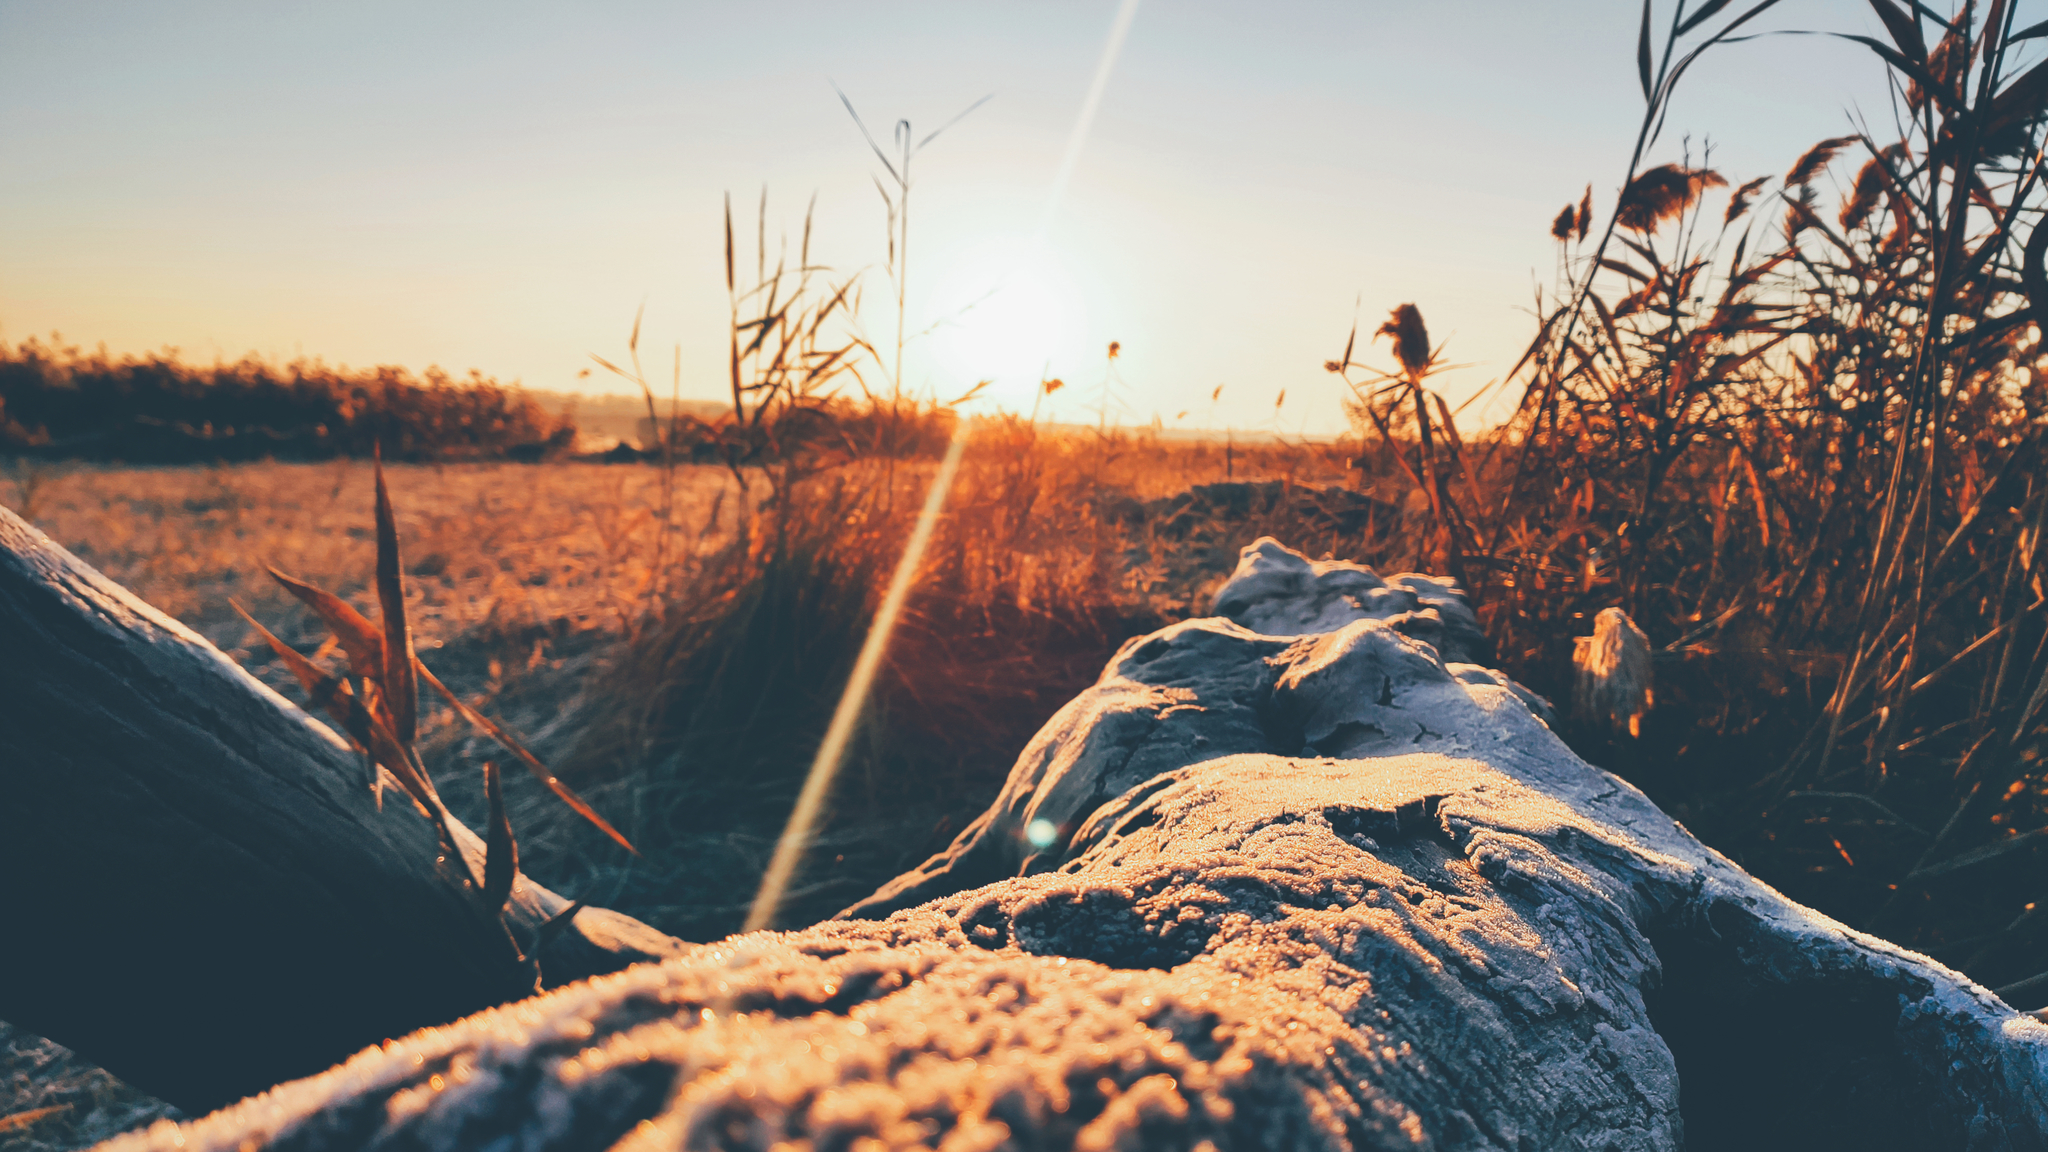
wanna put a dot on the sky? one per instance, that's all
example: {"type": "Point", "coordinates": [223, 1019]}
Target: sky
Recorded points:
{"type": "Point", "coordinates": [504, 186]}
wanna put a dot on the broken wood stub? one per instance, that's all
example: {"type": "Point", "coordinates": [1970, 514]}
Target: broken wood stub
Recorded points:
{"type": "Point", "coordinates": [1613, 682]}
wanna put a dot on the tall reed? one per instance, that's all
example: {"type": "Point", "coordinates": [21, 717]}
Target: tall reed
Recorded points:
{"type": "Point", "coordinates": [1802, 446]}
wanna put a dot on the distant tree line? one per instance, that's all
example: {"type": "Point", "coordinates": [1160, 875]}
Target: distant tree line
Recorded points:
{"type": "Point", "coordinates": [56, 400]}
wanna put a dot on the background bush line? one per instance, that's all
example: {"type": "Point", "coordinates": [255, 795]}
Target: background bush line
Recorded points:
{"type": "Point", "coordinates": [57, 400]}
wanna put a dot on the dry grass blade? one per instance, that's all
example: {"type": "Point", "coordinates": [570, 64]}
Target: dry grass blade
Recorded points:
{"type": "Point", "coordinates": [1643, 250]}
{"type": "Point", "coordinates": [1643, 51]}
{"type": "Point", "coordinates": [501, 858]}
{"type": "Point", "coordinates": [1904, 31]}
{"type": "Point", "coordinates": [1990, 853]}
{"type": "Point", "coordinates": [371, 707]}
{"type": "Point", "coordinates": [1449, 425]}
{"type": "Point", "coordinates": [2033, 707]}
{"type": "Point", "coordinates": [1707, 12]}
{"type": "Point", "coordinates": [540, 771]}
{"type": "Point", "coordinates": [554, 925]}
{"type": "Point", "coordinates": [17, 1120]}
{"type": "Point", "coordinates": [1606, 319]}
{"type": "Point", "coordinates": [401, 691]}
{"type": "Point", "coordinates": [955, 120]}
{"type": "Point", "coordinates": [1956, 661]}
{"type": "Point", "coordinates": [372, 777]}
{"type": "Point", "coordinates": [2024, 990]}
{"type": "Point", "coordinates": [332, 695]}
{"type": "Point", "coordinates": [358, 637]}
{"type": "Point", "coordinates": [869, 136]}
{"type": "Point", "coordinates": [1626, 269]}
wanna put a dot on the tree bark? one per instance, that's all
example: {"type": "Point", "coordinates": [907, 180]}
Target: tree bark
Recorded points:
{"type": "Point", "coordinates": [1255, 889]}
{"type": "Point", "coordinates": [200, 894]}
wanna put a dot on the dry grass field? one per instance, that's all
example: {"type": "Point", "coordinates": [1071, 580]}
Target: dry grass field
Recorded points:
{"type": "Point", "coordinates": [491, 548]}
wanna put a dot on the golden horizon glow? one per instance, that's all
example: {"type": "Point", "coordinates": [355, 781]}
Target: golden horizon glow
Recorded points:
{"type": "Point", "coordinates": [504, 189]}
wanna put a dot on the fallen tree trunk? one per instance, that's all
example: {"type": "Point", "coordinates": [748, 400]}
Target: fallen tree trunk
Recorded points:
{"type": "Point", "coordinates": [200, 893]}
{"type": "Point", "coordinates": [1309, 885]}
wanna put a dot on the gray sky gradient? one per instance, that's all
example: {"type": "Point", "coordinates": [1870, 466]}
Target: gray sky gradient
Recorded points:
{"type": "Point", "coordinates": [500, 186]}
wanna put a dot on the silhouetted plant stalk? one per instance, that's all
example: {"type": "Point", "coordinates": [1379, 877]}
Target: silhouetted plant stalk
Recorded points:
{"type": "Point", "coordinates": [377, 705]}
{"type": "Point", "coordinates": [897, 204]}
{"type": "Point", "coordinates": [1396, 405]}
{"type": "Point", "coordinates": [790, 348]}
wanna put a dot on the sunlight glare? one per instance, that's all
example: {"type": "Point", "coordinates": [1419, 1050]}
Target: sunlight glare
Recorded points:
{"type": "Point", "coordinates": [1009, 310]}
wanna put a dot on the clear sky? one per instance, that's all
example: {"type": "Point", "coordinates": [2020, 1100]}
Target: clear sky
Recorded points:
{"type": "Point", "coordinates": [500, 186]}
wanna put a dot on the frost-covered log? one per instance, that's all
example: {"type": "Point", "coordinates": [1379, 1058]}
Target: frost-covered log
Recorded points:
{"type": "Point", "coordinates": [197, 889]}
{"type": "Point", "coordinates": [1252, 890]}
{"type": "Point", "coordinates": [1134, 726]}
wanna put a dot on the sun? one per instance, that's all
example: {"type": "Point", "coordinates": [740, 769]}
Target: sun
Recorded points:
{"type": "Point", "coordinates": [1007, 311]}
